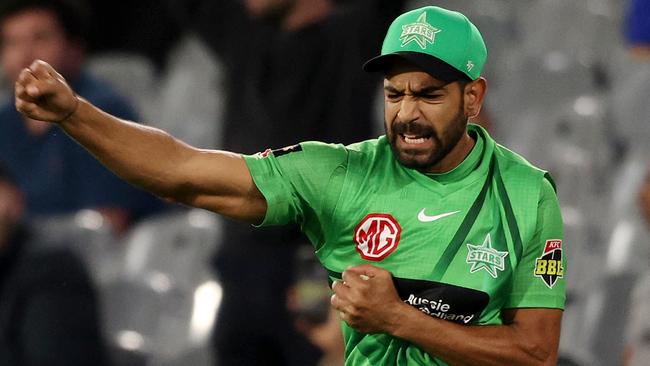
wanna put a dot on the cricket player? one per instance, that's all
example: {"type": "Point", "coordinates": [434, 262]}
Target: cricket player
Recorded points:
{"type": "Point", "coordinates": [444, 247]}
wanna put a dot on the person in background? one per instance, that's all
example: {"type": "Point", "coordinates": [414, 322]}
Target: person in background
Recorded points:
{"type": "Point", "coordinates": [308, 301]}
{"type": "Point", "coordinates": [637, 28]}
{"type": "Point", "coordinates": [54, 173]}
{"type": "Point", "coordinates": [143, 27]}
{"type": "Point", "coordinates": [637, 349]}
{"type": "Point", "coordinates": [644, 198]}
{"type": "Point", "coordinates": [48, 306]}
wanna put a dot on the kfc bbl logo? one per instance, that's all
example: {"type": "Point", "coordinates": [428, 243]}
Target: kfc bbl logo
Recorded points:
{"type": "Point", "coordinates": [548, 267]}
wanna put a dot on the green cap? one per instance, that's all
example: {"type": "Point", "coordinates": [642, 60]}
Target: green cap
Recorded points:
{"type": "Point", "coordinates": [442, 42]}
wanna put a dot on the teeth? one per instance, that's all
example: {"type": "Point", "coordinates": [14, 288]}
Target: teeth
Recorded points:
{"type": "Point", "coordinates": [414, 139]}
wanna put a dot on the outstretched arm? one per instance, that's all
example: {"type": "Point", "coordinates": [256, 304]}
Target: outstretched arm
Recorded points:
{"type": "Point", "coordinates": [147, 157]}
{"type": "Point", "coordinates": [368, 302]}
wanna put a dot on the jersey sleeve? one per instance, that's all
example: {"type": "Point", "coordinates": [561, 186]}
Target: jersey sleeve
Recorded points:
{"type": "Point", "coordinates": [298, 181]}
{"type": "Point", "coordinates": [539, 278]}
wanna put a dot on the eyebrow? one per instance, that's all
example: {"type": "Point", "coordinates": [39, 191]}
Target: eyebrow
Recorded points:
{"type": "Point", "coordinates": [425, 90]}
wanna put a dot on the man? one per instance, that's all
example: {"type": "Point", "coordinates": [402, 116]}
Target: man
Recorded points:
{"type": "Point", "coordinates": [48, 306]}
{"type": "Point", "coordinates": [446, 247]}
{"type": "Point", "coordinates": [48, 165]}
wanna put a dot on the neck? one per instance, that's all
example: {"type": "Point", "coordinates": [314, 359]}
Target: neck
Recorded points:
{"type": "Point", "coordinates": [305, 12]}
{"type": "Point", "coordinates": [455, 156]}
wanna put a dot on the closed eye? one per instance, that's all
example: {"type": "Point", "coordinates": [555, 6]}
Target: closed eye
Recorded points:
{"type": "Point", "coordinates": [432, 97]}
{"type": "Point", "coordinates": [394, 96]}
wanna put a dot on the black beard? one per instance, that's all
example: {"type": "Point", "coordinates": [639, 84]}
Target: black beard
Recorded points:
{"type": "Point", "coordinates": [442, 145]}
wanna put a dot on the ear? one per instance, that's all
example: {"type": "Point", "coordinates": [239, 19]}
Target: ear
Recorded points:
{"type": "Point", "coordinates": [474, 95]}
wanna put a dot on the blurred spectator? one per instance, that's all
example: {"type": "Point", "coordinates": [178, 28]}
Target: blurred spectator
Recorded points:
{"type": "Point", "coordinates": [637, 27]}
{"type": "Point", "coordinates": [48, 309]}
{"type": "Point", "coordinates": [55, 174]}
{"type": "Point", "coordinates": [292, 73]}
{"type": "Point", "coordinates": [308, 301]}
{"type": "Point", "coordinates": [637, 350]}
{"type": "Point", "coordinates": [143, 27]}
{"type": "Point", "coordinates": [644, 198]}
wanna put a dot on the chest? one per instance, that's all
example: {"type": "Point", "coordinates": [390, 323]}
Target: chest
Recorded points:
{"type": "Point", "coordinates": [449, 250]}
{"type": "Point", "coordinates": [406, 225]}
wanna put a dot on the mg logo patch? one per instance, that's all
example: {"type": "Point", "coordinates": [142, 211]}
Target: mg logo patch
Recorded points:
{"type": "Point", "coordinates": [419, 32]}
{"type": "Point", "coordinates": [548, 267]}
{"type": "Point", "coordinates": [485, 257]}
{"type": "Point", "coordinates": [377, 236]}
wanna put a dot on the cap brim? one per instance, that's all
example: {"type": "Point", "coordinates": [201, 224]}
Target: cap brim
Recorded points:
{"type": "Point", "coordinates": [429, 64]}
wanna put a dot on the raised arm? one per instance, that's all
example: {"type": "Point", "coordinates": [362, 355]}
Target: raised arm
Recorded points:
{"type": "Point", "coordinates": [144, 156]}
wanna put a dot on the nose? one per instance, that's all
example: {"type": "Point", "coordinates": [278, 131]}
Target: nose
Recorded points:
{"type": "Point", "coordinates": [409, 109]}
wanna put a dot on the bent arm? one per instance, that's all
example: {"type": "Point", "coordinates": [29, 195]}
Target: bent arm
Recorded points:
{"type": "Point", "coordinates": [368, 301]}
{"type": "Point", "coordinates": [144, 156]}
{"type": "Point", "coordinates": [531, 337]}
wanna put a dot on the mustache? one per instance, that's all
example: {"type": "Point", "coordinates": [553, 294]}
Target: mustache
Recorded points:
{"type": "Point", "coordinates": [413, 128]}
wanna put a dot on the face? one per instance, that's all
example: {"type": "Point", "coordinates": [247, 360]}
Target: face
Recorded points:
{"type": "Point", "coordinates": [267, 8]}
{"type": "Point", "coordinates": [425, 117]}
{"type": "Point", "coordinates": [35, 34]}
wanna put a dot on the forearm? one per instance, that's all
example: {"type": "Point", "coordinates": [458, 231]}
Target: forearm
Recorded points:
{"type": "Point", "coordinates": [147, 157]}
{"type": "Point", "coordinates": [472, 345]}
{"type": "Point", "coordinates": [153, 160]}
{"type": "Point", "coordinates": [142, 155]}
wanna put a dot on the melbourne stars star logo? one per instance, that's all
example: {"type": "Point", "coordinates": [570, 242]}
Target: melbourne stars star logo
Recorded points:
{"type": "Point", "coordinates": [485, 257]}
{"type": "Point", "coordinates": [419, 32]}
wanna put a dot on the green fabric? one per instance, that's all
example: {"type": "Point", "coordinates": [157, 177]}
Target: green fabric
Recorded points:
{"type": "Point", "coordinates": [444, 34]}
{"type": "Point", "coordinates": [487, 251]}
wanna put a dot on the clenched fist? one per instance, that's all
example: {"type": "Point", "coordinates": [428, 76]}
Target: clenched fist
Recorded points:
{"type": "Point", "coordinates": [43, 94]}
{"type": "Point", "coordinates": [367, 299]}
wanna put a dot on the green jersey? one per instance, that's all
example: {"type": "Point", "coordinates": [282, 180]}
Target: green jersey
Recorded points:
{"type": "Point", "coordinates": [461, 246]}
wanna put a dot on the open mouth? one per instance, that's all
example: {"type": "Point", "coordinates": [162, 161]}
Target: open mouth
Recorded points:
{"type": "Point", "coordinates": [415, 139]}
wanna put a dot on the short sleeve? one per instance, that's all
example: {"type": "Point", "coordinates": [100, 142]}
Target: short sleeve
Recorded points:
{"type": "Point", "coordinates": [539, 277]}
{"type": "Point", "coordinates": [297, 181]}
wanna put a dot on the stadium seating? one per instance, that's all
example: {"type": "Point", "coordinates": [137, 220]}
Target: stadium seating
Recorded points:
{"type": "Point", "coordinates": [161, 306]}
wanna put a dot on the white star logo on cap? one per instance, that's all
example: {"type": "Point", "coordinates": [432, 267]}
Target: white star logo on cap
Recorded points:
{"type": "Point", "coordinates": [419, 32]}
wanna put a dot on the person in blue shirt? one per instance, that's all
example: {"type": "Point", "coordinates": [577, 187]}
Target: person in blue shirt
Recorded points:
{"type": "Point", "coordinates": [49, 308]}
{"type": "Point", "coordinates": [56, 175]}
{"type": "Point", "coordinates": [637, 27]}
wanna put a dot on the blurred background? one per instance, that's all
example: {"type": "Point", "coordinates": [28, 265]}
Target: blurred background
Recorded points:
{"type": "Point", "coordinates": [96, 272]}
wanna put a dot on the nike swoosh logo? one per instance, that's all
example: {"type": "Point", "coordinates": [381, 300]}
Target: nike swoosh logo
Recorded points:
{"type": "Point", "coordinates": [426, 218]}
